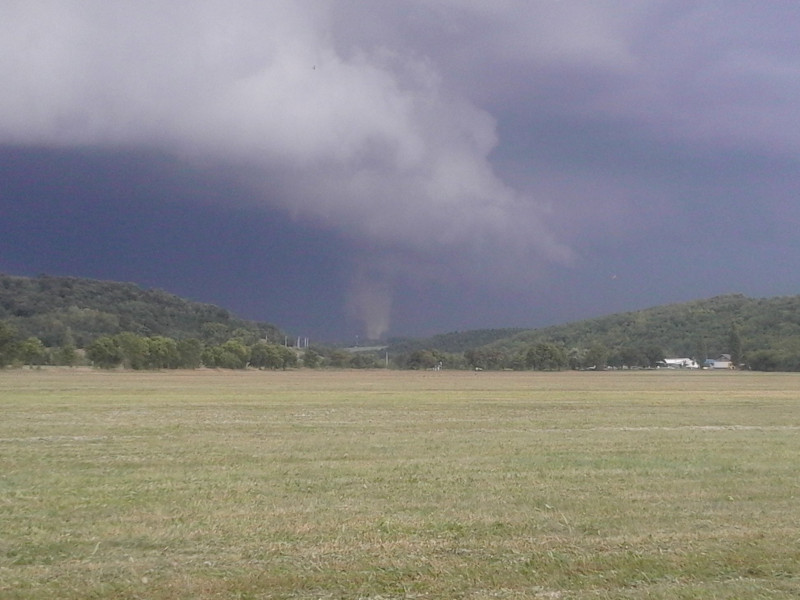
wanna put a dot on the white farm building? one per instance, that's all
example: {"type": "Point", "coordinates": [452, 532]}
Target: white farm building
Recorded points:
{"type": "Point", "coordinates": [723, 362]}
{"type": "Point", "coordinates": [680, 363]}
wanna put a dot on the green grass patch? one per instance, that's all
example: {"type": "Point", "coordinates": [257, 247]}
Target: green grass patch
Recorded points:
{"type": "Point", "coordinates": [399, 485]}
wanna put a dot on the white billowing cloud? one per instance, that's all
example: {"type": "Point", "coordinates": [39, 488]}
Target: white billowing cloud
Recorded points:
{"type": "Point", "coordinates": [362, 138]}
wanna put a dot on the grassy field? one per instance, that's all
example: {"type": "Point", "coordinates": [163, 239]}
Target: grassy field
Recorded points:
{"type": "Point", "coordinates": [399, 485]}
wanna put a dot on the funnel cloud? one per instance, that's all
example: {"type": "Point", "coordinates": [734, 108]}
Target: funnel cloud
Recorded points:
{"type": "Point", "coordinates": [370, 302]}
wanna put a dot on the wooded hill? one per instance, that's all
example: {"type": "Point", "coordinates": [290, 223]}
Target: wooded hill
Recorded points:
{"type": "Point", "coordinates": [768, 330]}
{"type": "Point", "coordinates": [76, 311]}
{"type": "Point", "coordinates": [60, 312]}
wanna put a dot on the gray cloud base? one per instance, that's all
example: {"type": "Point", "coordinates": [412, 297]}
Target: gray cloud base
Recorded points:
{"type": "Point", "coordinates": [454, 141]}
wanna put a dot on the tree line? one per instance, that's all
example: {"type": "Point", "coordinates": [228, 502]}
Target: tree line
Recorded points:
{"type": "Point", "coordinates": [539, 356]}
{"type": "Point", "coordinates": [64, 320]}
{"type": "Point", "coordinates": [246, 350]}
{"type": "Point", "coordinates": [131, 351]}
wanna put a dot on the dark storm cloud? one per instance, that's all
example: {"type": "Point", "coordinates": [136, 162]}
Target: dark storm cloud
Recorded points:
{"type": "Point", "coordinates": [505, 145]}
{"type": "Point", "coordinates": [369, 142]}
{"type": "Point", "coordinates": [366, 141]}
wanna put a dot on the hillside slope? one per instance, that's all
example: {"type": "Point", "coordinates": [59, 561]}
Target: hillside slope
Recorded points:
{"type": "Point", "coordinates": [767, 327]}
{"type": "Point", "coordinates": [686, 329]}
{"type": "Point", "coordinates": [56, 308]}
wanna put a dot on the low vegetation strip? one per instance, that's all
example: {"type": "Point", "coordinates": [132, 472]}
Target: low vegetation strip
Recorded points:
{"type": "Point", "coordinates": [68, 321]}
{"type": "Point", "coordinates": [389, 484]}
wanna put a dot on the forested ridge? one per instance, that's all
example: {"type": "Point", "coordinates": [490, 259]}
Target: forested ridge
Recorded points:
{"type": "Point", "coordinates": [760, 333]}
{"type": "Point", "coordinates": [69, 320]}
{"type": "Point", "coordinates": [691, 329]}
{"type": "Point", "coordinates": [59, 309]}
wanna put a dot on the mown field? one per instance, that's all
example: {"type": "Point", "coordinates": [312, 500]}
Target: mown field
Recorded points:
{"type": "Point", "coordinates": [378, 485]}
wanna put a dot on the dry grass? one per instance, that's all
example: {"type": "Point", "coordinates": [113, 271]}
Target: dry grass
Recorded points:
{"type": "Point", "coordinates": [399, 485]}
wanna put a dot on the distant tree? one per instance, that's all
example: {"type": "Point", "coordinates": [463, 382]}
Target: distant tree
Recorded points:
{"type": "Point", "coordinates": [735, 346]}
{"type": "Point", "coordinates": [272, 356]}
{"type": "Point", "coordinates": [423, 359]}
{"type": "Point", "coordinates": [654, 355]}
{"type": "Point", "coordinates": [633, 357]}
{"type": "Point", "coordinates": [701, 351]}
{"type": "Point", "coordinates": [8, 344]}
{"type": "Point", "coordinates": [764, 360]}
{"type": "Point", "coordinates": [454, 360]}
{"type": "Point", "coordinates": [518, 360]}
{"type": "Point", "coordinates": [545, 356]}
{"type": "Point", "coordinates": [265, 356]}
{"type": "Point", "coordinates": [162, 353]}
{"type": "Point", "coordinates": [211, 357]}
{"type": "Point", "coordinates": [66, 355]}
{"type": "Point", "coordinates": [311, 358]}
{"type": "Point", "coordinates": [238, 351]}
{"type": "Point", "coordinates": [485, 358]}
{"type": "Point", "coordinates": [339, 359]}
{"type": "Point", "coordinates": [576, 357]}
{"type": "Point", "coordinates": [32, 352]}
{"type": "Point", "coordinates": [135, 350]}
{"type": "Point", "coordinates": [596, 357]}
{"type": "Point", "coordinates": [225, 356]}
{"type": "Point", "coordinates": [288, 357]}
{"type": "Point", "coordinates": [790, 361]}
{"type": "Point", "coordinates": [365, 360]}
{"type": "Point", "coordinates": [105, 352]}
{"type": "Point", "coordinates": [190, 353]}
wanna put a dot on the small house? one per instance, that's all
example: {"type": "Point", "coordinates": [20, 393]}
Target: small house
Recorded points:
{"type": "Point", "coordinates": [723, 362]}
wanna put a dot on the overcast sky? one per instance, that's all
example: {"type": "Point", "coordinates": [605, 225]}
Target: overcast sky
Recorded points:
{"type": "Point", "coordinates": [362, 168]}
